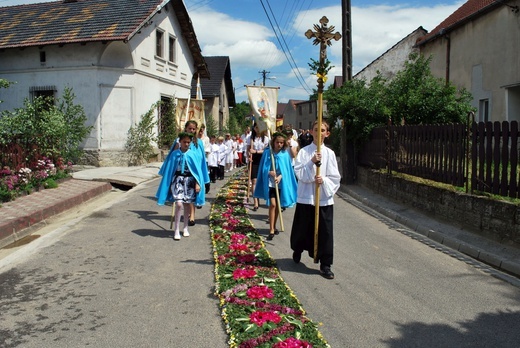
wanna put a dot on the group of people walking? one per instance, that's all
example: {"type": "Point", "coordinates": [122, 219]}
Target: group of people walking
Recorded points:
{"type": "Point", "coordinates": [280, 172]}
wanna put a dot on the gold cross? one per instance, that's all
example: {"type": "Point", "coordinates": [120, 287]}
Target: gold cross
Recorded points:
{"type": "Point", "coordinates": [323, 35]}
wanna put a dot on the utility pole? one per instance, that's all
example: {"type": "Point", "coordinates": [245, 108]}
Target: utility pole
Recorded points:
{"type": "Point", "coordinates": [264, 75]}
{"type": "Point", "coordinates": [346, 39]}
{"type": "Point", "coordinates": [347, 153]}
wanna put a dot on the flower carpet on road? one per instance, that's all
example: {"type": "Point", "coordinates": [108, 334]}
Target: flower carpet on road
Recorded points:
{"type": "Point", "coordinates": [258, 308]}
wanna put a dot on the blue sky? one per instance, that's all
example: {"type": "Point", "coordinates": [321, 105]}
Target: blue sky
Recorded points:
{"type": "Point", "coordinates": [242, 30]}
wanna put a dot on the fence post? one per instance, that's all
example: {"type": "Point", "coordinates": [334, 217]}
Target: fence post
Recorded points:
{"type": "Point", "coordinates": [470, 120]}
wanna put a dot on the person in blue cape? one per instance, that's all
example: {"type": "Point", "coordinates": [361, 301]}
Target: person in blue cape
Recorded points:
{"type": "Point", "coordinates": [182, 181]}
{"type": "Point", "coordinates": [197, 145]}
{"type": "Point", "coordinates": [282, 176]}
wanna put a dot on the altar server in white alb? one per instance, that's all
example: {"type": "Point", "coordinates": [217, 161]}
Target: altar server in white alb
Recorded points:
{"type": "Point", "coordinates": [302, 232]}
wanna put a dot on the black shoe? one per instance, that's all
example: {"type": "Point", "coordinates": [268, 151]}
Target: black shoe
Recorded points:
{"type": "Point", "coordinates": [255, 208]}
{"type": "Point", "coordinates": [199, 206]}
{"type": "Point", "coordinates": [191, 223]}
{"type": "Point", "coordinates": [270, 236]}
{"type": "Point", "coordinates": [326, 273]}
{"type": "Point", "coordinates": [296, 256]}
{"type": "Point", "coordinates": [276, 232]}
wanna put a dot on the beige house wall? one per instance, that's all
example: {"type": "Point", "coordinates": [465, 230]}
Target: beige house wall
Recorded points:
{"type": "Point", "coordinates": [484, 59]}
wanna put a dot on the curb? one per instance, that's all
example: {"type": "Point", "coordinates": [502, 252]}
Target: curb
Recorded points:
{"type": "Point", "coordinates": [26, 214]}
{"type": "Point", "coordinates": [499, 262]}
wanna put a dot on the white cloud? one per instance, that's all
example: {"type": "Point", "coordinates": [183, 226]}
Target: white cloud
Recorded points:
{"type": "Point", "coordinates": [246, 53]}
{"type": "Point", "coordinates": [247, 44]}
{"type": "Point", "coordinates": [375, 29]}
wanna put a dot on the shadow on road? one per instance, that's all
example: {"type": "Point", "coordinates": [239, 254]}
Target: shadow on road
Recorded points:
{"type": "Point", "coordinates": [487, 330]}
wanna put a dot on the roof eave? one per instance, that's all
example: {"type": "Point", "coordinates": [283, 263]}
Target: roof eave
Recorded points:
{"type": "Point", "coordinates": [444, 31]}
{"type": "Point", "coordinates": [189, 34]}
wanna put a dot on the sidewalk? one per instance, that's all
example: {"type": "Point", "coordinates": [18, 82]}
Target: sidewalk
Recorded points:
{"type": "Point", "coordinates": [28, 213]}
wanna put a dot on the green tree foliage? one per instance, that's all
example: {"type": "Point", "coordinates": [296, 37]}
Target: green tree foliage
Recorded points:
{"type": "Point", "coordinates": [76, 131]}
{"type": "Point", "coordinates": [238, 114]}
{"type": "Point", "coordinates": [169, 128]}
{"type": "Point", "coordinates": [4, 84]}
{"type": "Point", "coordinates": [414, 96]}
{"type": "Point", "coordinates": [139, 144]}
{"type": "Point", "coordinates": [53, 128]}
{"type": "Point", "coordinates": [211, 126]}
{"type": "Point", "coordinates": [358, 107]}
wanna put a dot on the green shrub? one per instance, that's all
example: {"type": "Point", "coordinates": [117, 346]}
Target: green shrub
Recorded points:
{"type": "Point", "coordinates": [140, 138]}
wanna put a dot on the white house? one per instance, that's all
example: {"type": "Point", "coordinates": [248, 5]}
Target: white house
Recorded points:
{"type": "Point", "coordinates": [118, 56]}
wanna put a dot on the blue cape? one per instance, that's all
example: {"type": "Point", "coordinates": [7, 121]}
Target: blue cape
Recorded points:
{"type": "Point", "coordinates": [288, 186]}
{"type": "Point", "coordinates": [199, 150]}
{"type": "Point", "coordinates": [168, 170]}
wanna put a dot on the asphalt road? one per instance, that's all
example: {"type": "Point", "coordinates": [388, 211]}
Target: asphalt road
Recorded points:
{"type": "Point", "coordinates": [112, 276]}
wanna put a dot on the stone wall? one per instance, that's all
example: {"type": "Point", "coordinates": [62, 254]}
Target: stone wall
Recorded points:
{"type": "Point", "coordinates": [497, 220]}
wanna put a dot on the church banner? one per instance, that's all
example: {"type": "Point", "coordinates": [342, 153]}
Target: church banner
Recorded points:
{"type": "Point", "coordinates": [263, 101]}
{"type": "Point", "coordinates": [195, 111]}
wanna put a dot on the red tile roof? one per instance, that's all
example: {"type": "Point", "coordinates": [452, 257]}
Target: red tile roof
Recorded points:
{"type": "Point", "coordinates": [81, 21]}
{"type": "Point", "coordinates": [467, 12]}
{"type": "Point", "coordinates": [62, 22]}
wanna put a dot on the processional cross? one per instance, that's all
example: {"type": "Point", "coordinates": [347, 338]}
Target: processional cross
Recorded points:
{"type": "Point", "coordinates": [322, 35]}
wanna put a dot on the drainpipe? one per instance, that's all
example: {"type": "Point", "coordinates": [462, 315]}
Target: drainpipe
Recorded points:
{"type": "Point", "coordinates": [448, 51]}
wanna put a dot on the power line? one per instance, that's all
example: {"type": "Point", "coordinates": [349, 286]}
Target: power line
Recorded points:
{"type": "Point", "coordinates": [290, 60]}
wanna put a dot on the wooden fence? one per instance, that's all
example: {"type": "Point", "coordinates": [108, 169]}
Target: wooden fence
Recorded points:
{"type": "Point", "coordinates": [494, 158]}
{"type": "Point", "coordinates": [485, 155]}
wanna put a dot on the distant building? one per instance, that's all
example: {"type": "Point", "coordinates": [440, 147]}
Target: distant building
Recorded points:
{"type": "Point", "coordinates": [302, 113]}
{"type": "Point", "coordinates": [218, 90]}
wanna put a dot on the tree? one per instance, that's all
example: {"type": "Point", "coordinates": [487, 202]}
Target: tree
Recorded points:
{"type": "Point", "coordinates": [239, 113]}
{"type": "Point", "coordinates": [52, 128]}
{"type": "Point", "coordinates": [415, 96]}
{"type": "Point", "coordinates": [211, 126]}
{"type": "Point", "coordinates": [168, 127]}
{"type": "Point", "coordinates": [358, 107]}
{"type": "Point", "coordinates": [140, 138]}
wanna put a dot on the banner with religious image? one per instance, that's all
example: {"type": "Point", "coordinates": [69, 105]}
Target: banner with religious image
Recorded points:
{"type": "Point", "coordinates": [189, 109]}
{"type": "Point", "coordinates": [263, 101]}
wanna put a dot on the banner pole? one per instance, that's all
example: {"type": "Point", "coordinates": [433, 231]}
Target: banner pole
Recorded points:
{"type": "Point", "coordinates": [273, 167]}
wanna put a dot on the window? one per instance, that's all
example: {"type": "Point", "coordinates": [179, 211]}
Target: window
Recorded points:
{"type": "Point", "coordinates": [483, 110]}
{"type": "Point", "coordinates": [299, 109]}
{"type": "Point", "coordinates": [43, 58]}
{"type": "Point", "coordinates": [46, 92]}
{"type": "Point", "coordinates": [159, 35]}
{"type": "Point", "coordinates": [310, 108]}
{"type": "Point", "coordinates": [171, 49]}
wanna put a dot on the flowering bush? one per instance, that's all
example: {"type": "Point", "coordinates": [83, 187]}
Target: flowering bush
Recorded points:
{"type": "Point", "coordinates": [25, 180]}
{"type": "Point", "coordinates": [258, 308]}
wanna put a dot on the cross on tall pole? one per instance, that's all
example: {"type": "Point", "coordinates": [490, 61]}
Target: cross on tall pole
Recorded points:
{"type": "Point", "coordinates": [323, 36]}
